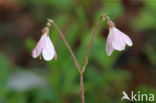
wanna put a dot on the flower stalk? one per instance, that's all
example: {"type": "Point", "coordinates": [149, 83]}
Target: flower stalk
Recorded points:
{"type": "Point", "coordinates": [82, 88]}
{"type": "Point", "coordinates": [108, 21]}
{"type": "Point", "coordinates": [89, 49]}
{"type": "Point", "coordinates": [81, 70]}
{"type": "Point", "coordinates": [69, 48]}
{"type": "Point", "coordinates": [116, 41]}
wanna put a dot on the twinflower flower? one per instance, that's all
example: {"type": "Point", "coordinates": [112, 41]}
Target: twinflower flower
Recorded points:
{"type": "Point", "coordinates": [45, 47]}
{"type": "Point", "coordinates": [116, 39]}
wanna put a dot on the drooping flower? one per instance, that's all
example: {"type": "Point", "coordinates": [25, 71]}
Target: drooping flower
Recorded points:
{"type": "Point", "coordinates": [116, 39]}
{"type": "Point", "coordinates": [45, 47]}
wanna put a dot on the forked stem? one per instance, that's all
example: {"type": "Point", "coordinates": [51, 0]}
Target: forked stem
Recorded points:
{"type": "Point", "coordinates": [81, 70]}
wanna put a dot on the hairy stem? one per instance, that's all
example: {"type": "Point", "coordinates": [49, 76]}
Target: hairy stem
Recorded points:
{"type": "Point", "coordinates": [82, 89]}
{"type": "Point", "coordinates": [69, 48]}
{"type": "Point", "coordinates": [86, 59]}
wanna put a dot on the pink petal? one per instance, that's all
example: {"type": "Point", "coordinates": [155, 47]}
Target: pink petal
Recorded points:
{"type": "Point", "coordinates": [109, 48]}
{"type": "Point", "coordinates": [37, 50]}
{"type": "Point", "coordinates": [48, 51]}
{"type": "Point", "coordinates": [127, 39]}
{"type": "Point", "coordinates": [117, 43]}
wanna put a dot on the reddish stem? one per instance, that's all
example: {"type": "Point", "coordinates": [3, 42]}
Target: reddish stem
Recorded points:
{"type": "Point", "coordinates": [86, 59]}
{"type": "Point", "coordinates": [70, 50]}
{"type": "Point", "coordinates": [82, 89]}
{"type": "Point", "coordinates": [76, 62]}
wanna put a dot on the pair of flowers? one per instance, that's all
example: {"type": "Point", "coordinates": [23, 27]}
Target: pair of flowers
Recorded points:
{"type": "Point", "coordinates": [116, 40]}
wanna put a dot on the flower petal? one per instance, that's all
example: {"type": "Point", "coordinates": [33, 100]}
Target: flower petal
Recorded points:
{"type": "Point", "coordinates": [109, 48]}
{"type": "Point", "coordinates": [127, 39]}
{"type": "Point", "coordinates": [37, 50]}
{"type": "Point", "coordinates": [117, 43]}
{"type": "Point", "coordinates": [48, 51]}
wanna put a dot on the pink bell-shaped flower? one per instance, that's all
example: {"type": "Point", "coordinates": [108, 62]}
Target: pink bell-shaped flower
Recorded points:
{"type": "Point", "coordinates": [45, 46]}
{"type": "Point", "coordinates": [116, 40]}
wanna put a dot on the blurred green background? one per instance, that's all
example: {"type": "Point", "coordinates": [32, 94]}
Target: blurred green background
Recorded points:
{"type": "Point", "coordinates": [27, 80]}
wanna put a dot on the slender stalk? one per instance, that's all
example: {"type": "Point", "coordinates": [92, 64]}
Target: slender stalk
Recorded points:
{"type": "Point", "coordinates": [82, 89]}
{"type": "Point", "coordinates": [69, 48]}
{"type": "Point", "coordinates": [86, 59]}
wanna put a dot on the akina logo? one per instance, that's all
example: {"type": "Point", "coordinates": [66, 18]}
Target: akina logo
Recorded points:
{"type": "Point", "coordinates": [138, 96]}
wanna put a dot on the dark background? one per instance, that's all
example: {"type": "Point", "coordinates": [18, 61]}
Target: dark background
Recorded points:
{"type": "Point", "coordinates": [27, 80]}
